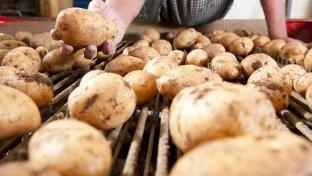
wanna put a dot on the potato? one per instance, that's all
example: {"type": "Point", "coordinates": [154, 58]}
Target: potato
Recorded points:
{"type": "Point", "coordinates": [23, 36]}
{"type": "Point", "coordinates": [80, 61]}
{"type": "Point", "coordinates": [159, 66]}
{"type": "Point", "coordinates": [216, 32]}
{"type": "Point", "coordinates": [42, 51]}
{"type": "Point", "coordinates": [55, 61]}
{"type": "Point", "coordinates": [217, 37]}
{"type": "Point", "coordinates": [162, 46]}
{"type": "Point", "coordinates": [227, 66]}
{"type": "Point", "coordinates": [37, 86]}
{"type": "Point", "coordinates": [228, 39]}
{"type": "Point", "coordinates": [273, 47]}
{"type": "Point", "coordinates": [4, 36]}
{"type": "Point", "coordinates": [175, 80]}
{"type": "Point", "coordinates": [143, 84]}
{"type": "Point", "coordinates": [308, 97]}
{"type": "Point", "coordinates": [253, 62]}
{"type": "Point", "coordinates": [77, 27]}
{"type": "Point", "coordinates": [293, 52]}
{"type": "Point", "coordinates": [25, 169]}
{"type": "Point", "coordinates": [55, 146]}
{"type": "Point", "coordinates": [308, 61]}
{"type": "Point", "coordinates": [264, 154]}
{"type": "Point", "coordinates": [177, 55]}
{"type": "Point", "coordinates": [141, 43]}
{"type": "Point", "coordinates": [253, 36]}
{"type": "Point", "coordinates": [293, 71]}
{"type": "Point", "coordinates": [124, 64]}
{"type": "Point", "coordinates": [25, 59]}
{"type": "Point", "coordinates": [213, 111]}
{"type": "Point", "coordinates": [144, 53]}
{"type": "Point", "coordinates": [241, 32]}
{"type": "Point", "coordinates": [213, 50]}
{"type": "Point", "coordinates": [241, 46]}
{"type": "Point", "coordinates": [274, 83]}
{"type": "Point", "coordinates": [128, 49]}
{"type": "Point", "coordinates": [7, 70]}
{"type": "Point", "coordinates": [11, 44]}
{"type": "Point", "coordinates": [201, 42]}
{"type": "Point", "coordinates": [95, 103]}
{"type": "Point", "coordinates": [301, 84]}
{"type": "Point", "coordinates": [170, 36]}
{"type": "Point", "coordinates": [45, 40]}
{"type": "Point", "coordinates": [260, 41]}
{"type": "Point", "coordinates": [90, 75]}
{"type": "Point", "coordinates": [152, 33]}
{"type": "Point", "coordinates": [3, 52]}
{"type": "Point", "coordinates": [185, 38]}
{"type": "Point", "coordinates": [197, 57]}
{"type": "Point", "coordinates": [146, 38]}
{"type": "Point", "coordinates": [19, 114]}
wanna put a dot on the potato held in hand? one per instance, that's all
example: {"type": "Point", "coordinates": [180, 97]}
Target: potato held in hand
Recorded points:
{"type": "Point", "coordinates": [72, 148]}
{"type": "Point", "coordinates": [80, 27]}
{"type": "Point", "coordinates": [106, 101]}
{"type": "Point", "coordinates": [19, 114]}
{"type": "Point", "coordinates": [214, 111]}
{"type": "Point", "coordinates": [227, 66]}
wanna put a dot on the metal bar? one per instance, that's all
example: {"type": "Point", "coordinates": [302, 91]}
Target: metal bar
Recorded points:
{"type": "Point", "coordinates": [149, 151]}
{"type": "Point", "coordinates": [67, 80]}
{"type": "Point", "coordinates": [299, 100]}
{"type": "Point", "coordinates": [60, 75]}
{"type": "Point", "coordinates": [300, 110]}
{"type": "Point", "coordinates": [134, 150]}
{"type": "Point", "coordinates": [65, 92]}
{"type": "Point", "coordinates": [113, 135]}
{"type": "Point", "coordinates": [163, 144]}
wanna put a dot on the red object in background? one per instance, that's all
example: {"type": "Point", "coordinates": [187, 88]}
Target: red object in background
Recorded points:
{"type": "Point", "coordinates": [300, 29]}
{"type": "Point", "coordinates": [5, 18]}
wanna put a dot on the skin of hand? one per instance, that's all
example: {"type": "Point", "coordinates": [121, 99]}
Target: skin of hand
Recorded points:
{"type": "Point", "coordinates": [116, 11]}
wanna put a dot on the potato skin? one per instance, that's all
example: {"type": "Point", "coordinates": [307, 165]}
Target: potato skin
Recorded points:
{"type": "Point", "coordinates": [7, 70]}
{"type": "Point", "coordinates": [152, 33]}
{"type": "Point", "coordinates": [228, 39]}
{"type": "Point", "coordinates": [4, 36]}
{"type": "Point", "coordinates": [159, 66]}
{"type": "Point", "coordinates": [25, 59]}
{"type": "Point", "coordinates": [255, 61]}
{"type": "Point", "coordinates": [19, 114]}
{"type": "Point", "coordinates": [293, 52]}
{"type": "Point", "coordinates": [185, 38]}
{"type": "Point", "coordinates": [213, 50]}
{"type": "Point", "coordinates": [177, 55]}
{"type": "Point", "coordinates": [37, 86]}
{"type": "Point", "coordinates": [143, 84]}
{"type": "Point", "coordinates": [260, 41]}
{"type": "Point", "coordinates": [144, 53]}
{"type": "Point", "coordinates": [274, 83]}
{"type": "Point", "coordinates": [308, 61]}
{"type": "Point", "coordinates": [227, 66]}
{"type": "Point", "coordinates": [197, 57]}
{"type": "Point", "coordinates": [90, 75]}
{"type": "Point", "coordinates": [141, 43]}
{"type": "Point", "coordinates": [175, 80]}
{"type": "Point", "coordinates": [273, 47]}
{"type": "Point", "coordinates": [91, 158]}
{"type": "Point", "coordinates": [23, 36]}
{"type": "Point", "coordinates": [124, 64]}
{"type": "Point", "coordinates": [45, 40]}
{"type": "Point", "coordinates": [282, 154]}
{"type": "Point", "coordinates": [308, 97]}
{"type": "Point", "coordinates": [162, 46]}
{"type": "Point", "coordinates": [54, 61]}
{"type": "Point", "coordinates": [302, 83]}
{"type": "Point", "coordinates": [216, 111]}
{"type": "Point", "coordinates": [201, 42]}
{"type": "Point", "coordinates": [3, 52]}
{"type": "Point", "coordinates": [294, 71]}
{"type": "Point", "coordinates": [95, 103]}
{"type": "Point", "coordinates": [11, 44]}
{"type": "Point", "coordinates": [77, 26]}
{"type": "Point", "coordinates": [19, 168]}
{"type": "Point", "coordinates": [241, 46]}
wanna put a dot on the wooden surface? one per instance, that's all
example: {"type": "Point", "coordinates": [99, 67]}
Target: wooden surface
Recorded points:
{"type": "Point", "coordinates": [51, 8]}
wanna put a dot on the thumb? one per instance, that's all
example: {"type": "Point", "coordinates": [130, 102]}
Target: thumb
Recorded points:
{"type": "Point", "coordinates": [109, 47]}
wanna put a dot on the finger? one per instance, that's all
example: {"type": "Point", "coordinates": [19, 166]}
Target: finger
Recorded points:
{"type": "Point", "coordinates": [109, 47]}
{"type": "Point", "coordinates": [66, 49]}
{"type": "Point", "coordinates": [54, 35]}
{"type": "Point", "coordinates": [90, 51]}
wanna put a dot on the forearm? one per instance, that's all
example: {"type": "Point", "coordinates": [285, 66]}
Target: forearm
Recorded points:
{"type": "Point", "coordinates": [274, 11]}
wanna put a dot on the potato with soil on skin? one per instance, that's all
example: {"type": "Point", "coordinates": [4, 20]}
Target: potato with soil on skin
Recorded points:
{"type": "Point", "coordinates": [144, 53]}
{"type": "Point", "coordinates": [217, 37]}
{"type": "Point", "coordinates": [23, 36]}
{"type": "Point", "coordinates": [177, 55]}
{"type": "Point", "coordinates": [228, 39]}
{"type": "Point", "coordinates": [302, 83]}
{"type": "Point", "coordinates": [95, 103]}
{"type": "Point", "coordinates": [141, 43]}
{"type": "Point", "coordinates": [150, 35]}
{"type": "Point", "coordinates": [124, 64]}
{"type": "Point", "coordinates": [273, 47]}
{"type": "Point", "coordinates": [19, 114]}
{"type": "Point", "coordinates": [253, 62]}
{"type": "Point", "coordinates": [37, 86]}
{"type": "Point", "coordinates": [3, 52]}
{"type": "Point", "coordinates": [227, 66]}
{"type": "Point", "coordinates": [241, 46]}
{"type": "Point", "coordinates": [308, 97]}
{"type": "Point", "coordinates": [185, 38]}
{"type": "Point", "coordinates": [55, 61]}
{"type": "Point", "coordinates": [159, 66]}
{"type": "Point", "coordinates": [128, 49]}
{"type": "Point", "coordinates": [274, 83]}
{"type": "Point", "coordinates": [201, 42]}
{"type": "Point", "coordinates": [42, 51]}
{"type": "Point", "coordinates": [25, 59]}
{"type": "Point", "coordinates": [260, 41]}
{"type": "Point", "coordinates": [80, 61]}
{"type": "Point", "coordinates": [77, 26]}
{"type": "Point", "coordinates": [197, 57]}
{"type": "Point", "coordinates": [253, 37]}
{"type": "Point", "coordinates": [143, 84]}
{"type": "Point", "coordinates": [213, 50]}
{"type": "Point", "coordinates": [170, 36]}
{"type": "Point", "coordinates": [7, 70]}
{"type": "Point", "coordinates": [294, 71]}
{"type": "Point", "coordinates": [11, 44]}
{"type": "Point", "coordinates": [92, 157]}
{"type": "Point", "coordinates": [281, 154]}
{"type": "Point", "coordinates": [45, 40]}
{"type": "Point", "coordinates": [162, 46]}
{"type": "Point", "coordinates": [308, 61]}
{"type": "Point", "coordinates": [4, 36]}
{"type": "Point", "coordinates": [90, 75]}
{"type": "Point", "coordinates": [215, 32]}
{"type": "Point", "coordinates": [293, 52]}
{"type": "Point", "coordinates": [241, 32]}
{"type": "Point", "coordinates": [175, 80]}
{"type": "Point", "coordinates": [216, 111]}
{"type": "Point", "coordinates": [24, 168]}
